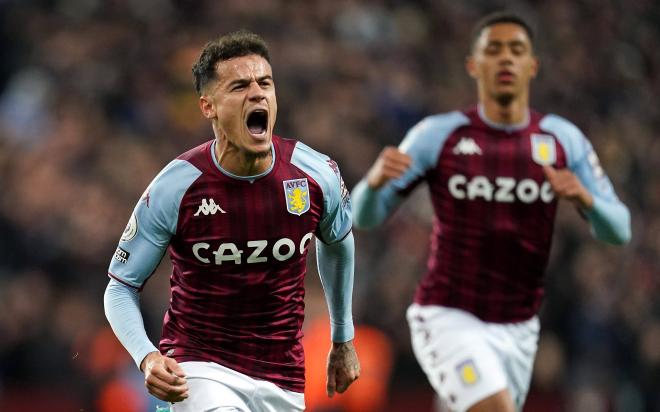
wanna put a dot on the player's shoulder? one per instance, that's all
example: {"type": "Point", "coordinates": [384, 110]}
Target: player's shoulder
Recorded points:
{"type": "Point", "coordinates": [569, 135]}
{"type": "Point", "coordinates": [317, 165]}
{"type": "Point", "coordinates": [306, 158]}
{"type": "Point", "coordinates": [198, 155]}
{"type": "Point", "coordinates": [560, 126]}
{"type": "Point", "coordinates": [177, 176]}
{"type": "Point", "coordinates": [425, 140]}
{"type": "Point", "coordinates": [442, 122]}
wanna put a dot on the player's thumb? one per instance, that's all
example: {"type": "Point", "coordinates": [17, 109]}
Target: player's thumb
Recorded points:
{"type": "Point", "coordinates": [549, 172]}
{"type": "Point", "coordinates": [174, 367]}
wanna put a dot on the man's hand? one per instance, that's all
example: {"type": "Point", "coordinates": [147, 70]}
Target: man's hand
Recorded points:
{"type": "Point", "coordinates": [566, 185]}
{"type": "Point", "coordinates": [391, 164]}
{"type": "Point", "coordinates": [343, 367]}
{"type": "Point", "coordinates": [164, 378]}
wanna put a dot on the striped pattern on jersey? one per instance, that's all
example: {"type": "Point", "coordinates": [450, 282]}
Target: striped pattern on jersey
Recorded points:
{"type": "Point", "coordinates": [238, 248]}
{"type": "Point", "coordinates": [494, 217]}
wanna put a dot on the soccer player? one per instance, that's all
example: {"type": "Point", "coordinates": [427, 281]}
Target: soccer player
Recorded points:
{"type": "Point", "coordinates": [238, 214]}
{"type": "Point", "coordinates": [495, 173]}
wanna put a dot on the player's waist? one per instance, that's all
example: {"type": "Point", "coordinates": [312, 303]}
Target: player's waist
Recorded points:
{"type": "Point", "coordinates": [284, 367]}
{"type": "Point", "coordinates": [486, 304]}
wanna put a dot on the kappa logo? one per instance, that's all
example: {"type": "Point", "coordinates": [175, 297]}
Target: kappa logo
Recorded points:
{"type": "Point", "coordinates": [208, 207]}
{"type": "Point", "coordinates": [467, 146]}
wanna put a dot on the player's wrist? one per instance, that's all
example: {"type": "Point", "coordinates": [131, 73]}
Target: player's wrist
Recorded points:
{"type": "Point", "coordinates": [148, 359]}
{"type": "Point", "coordinates": [375, 182]}
{"type": "Point", "coordinates": [586, 201]}
{"type": "Point", "coordinates": [336, 345]}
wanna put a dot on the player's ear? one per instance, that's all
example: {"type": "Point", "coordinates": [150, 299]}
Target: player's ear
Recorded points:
{"type": "Point", "coordinates": [536, 65]}
{"type": "Point", "coordinates": [206, 106]}
{"type": "Point", "coordinates": [471, 66]}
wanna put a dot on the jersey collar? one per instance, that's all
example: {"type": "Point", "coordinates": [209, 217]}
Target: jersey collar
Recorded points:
{"type": "Point", "coordinates": [250, 179]}
{"type": "Point", "coordinates": [503, 126]}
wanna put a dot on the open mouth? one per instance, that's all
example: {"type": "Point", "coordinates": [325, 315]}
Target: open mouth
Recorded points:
{"type": "Point", "coordinates": [257, 122]}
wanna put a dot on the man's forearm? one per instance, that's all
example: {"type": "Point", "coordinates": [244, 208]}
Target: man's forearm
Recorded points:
{"type": "Point", "coordinates": [122, 308]}
{"type": "Point", "coordinates": [610, 221]}
{"type": "Point", "coordinates": [371, 207]}
{"type": "Point", "coordinates": [336, 266]}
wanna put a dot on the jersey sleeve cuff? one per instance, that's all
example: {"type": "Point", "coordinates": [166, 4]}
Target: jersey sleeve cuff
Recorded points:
{"type": "Point", "coordinates": [596, 208]}
{"type": "Point", "coordinates": [142, 353]}
{"type": "Point", "coordinates": [341, 333]}
{"type": "Point", "coordinates": [610, 221]}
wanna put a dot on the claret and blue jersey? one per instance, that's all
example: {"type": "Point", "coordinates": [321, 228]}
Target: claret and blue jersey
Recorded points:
{"type": "Point", "coordinates": [494, 209]}
{"type": "Point", "coordinates": [238, 248]}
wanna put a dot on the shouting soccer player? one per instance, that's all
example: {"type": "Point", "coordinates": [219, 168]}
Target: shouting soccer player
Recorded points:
{"type": "Point", "coordinates": [495, 173]}
{"type": "Point", "coordinates": [238, 214]}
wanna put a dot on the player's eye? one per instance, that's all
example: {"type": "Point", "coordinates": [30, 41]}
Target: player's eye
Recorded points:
{"type": "Point", "coordinates": [518, 49]}
{"type": "Point", "coordinates": [264, 83]}
{"type": "Point", "coordinates": [493, 49]}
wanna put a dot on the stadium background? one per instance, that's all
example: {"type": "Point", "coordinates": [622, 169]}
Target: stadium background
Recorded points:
{"type": "Point", "coordinates": [96, 96]}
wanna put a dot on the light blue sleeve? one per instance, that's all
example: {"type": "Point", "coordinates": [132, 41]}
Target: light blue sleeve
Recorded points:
{"type": "Point", "coordinates": [609, 217]}
{"type": "Point", "coordinates": [122, 308]}
{"type": "Point", "coordinates": [336, 263]}
{"type": "Point", "coordinates": [152, 224]}
{"type": "Point", "coordinates": [423, 143]}
{"type": "Point", "coordinates": [336, 221]}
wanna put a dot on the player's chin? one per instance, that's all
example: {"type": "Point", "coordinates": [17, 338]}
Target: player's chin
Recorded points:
{"type": "Point", "coordinates": [258, 145]}
{"type": "Point", "coordinates": [504, 97]}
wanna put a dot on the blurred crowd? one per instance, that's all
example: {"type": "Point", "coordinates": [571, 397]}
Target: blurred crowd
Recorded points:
{"type": "Point", "coordinates": [96, 97]}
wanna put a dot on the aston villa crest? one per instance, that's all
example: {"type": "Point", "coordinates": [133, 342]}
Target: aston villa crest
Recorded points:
{"type": "Point", "coordinates": [544, 151]}
{"type": "Point", "coordinates": [296, 194]}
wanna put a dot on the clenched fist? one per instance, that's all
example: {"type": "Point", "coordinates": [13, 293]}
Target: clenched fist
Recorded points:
{"type": "Point", "coordinates": [391, 164]}
{"type": "Point", "coordinates": [567, 186]}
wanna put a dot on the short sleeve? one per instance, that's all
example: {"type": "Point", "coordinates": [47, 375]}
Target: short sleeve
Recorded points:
{"type": "Point", "coordinates": [423, 143]}
{"type": "Point", "coordinates": [151, 225]}
{"type": "Point", "coordinates": [581, 157]}
{"type": "Point", "coordinates": [336, 221]}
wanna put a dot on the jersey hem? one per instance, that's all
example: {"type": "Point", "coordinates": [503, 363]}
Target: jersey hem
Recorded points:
{"type": "Point", "coordinates": [190, 358]}
{"type": "Point", "coordinates": [522, 317]}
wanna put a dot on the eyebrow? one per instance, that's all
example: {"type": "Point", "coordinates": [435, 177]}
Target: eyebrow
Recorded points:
{"type": "Point", "coordinates": [510, 42]}
{"type": "Point", "coordinates": [245, 81]}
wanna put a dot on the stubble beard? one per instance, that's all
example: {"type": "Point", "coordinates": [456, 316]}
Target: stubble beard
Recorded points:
{"type": "Point", "coordinates": [257, 155]}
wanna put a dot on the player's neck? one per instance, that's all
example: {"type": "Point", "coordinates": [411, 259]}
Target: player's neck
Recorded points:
{"type": "Point", "coordinates": [514, 113]}
{"type": "Point", "coordinates": [237, 162]}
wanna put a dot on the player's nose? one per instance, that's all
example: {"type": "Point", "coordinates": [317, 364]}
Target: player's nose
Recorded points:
{"type": "Point", "coordinates": [506, 56]}
{"type": "Point", "coordinates": [255, 92]}
{"type": "Point", "coordinates": [506, 59]}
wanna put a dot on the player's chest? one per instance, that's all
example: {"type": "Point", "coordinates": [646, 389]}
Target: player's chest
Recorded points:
{"type": "Point", "coordinates": [506, 167]}
{"type": "Point", "coordinates": [273, 207]}
{"type": "Point", "coordinates": [473, 152]}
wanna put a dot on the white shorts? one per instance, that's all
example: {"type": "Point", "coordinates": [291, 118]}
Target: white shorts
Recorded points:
{"type": "Point", "coordinates": [215, 388]}
{"type": "Point", "coordinates": [466, 359]}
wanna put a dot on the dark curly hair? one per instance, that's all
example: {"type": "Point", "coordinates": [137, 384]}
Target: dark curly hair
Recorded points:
{"type": "Point", "coordinates": [236, 44]}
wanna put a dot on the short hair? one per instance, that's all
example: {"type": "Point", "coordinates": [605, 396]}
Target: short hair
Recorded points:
{"type": "Point", "coordinates": [500, 17]}
{"type": "Point", "coordinates": [236, 44]}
